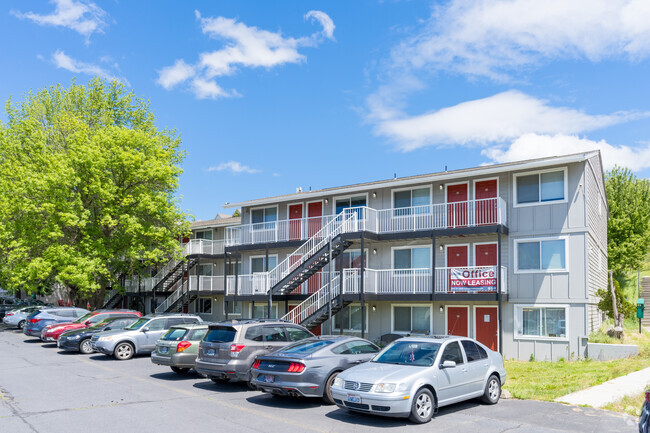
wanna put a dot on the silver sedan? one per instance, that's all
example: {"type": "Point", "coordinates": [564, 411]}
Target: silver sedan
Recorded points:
{"type": "Point", "coordinates": [308, 367]}
{"type": "Point", "coordinates": [414, 376]}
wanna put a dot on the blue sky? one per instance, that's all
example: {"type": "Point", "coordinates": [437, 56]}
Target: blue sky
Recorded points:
{"type": "Point", "coordinates": [271, 96]}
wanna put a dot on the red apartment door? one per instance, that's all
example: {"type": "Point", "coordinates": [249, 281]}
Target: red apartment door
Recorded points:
{"type": "Point", "coordinates": [295, 222]}
{"type": "Point", "coordinates": [314, 210]}
{"type": "Point", "coordinates": [457, 257]}
{"type": "Point", "coordinates": [486, 204]}
{"type": "Point", "coordinates": [457, 205]}
{"type": "Point", "coordinates": [487, 331]}
{"type": "Point", "coordinates": [457, 321]}
{"type": "Point", "coordinates": [486, 255]}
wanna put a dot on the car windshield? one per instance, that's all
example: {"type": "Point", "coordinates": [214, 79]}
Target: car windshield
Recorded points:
{"type": "Point", "coordinates": [306, 347]}
{"type": "Point", "coordinates": [419, 353]}
{"type": "Point", "coordinates": [138, 324]}
{"type": "Point", "coordinates": [174, 334]}
{"type": "Point", "coordinates": [83, 318]}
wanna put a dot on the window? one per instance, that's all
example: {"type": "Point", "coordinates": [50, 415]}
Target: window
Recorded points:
{"type": "Point", "coordinates": [355, 348]}
{"type": "Point", "coordinates": [231, 307]}
{"type": "Point", "coordinates": [205, 305]}
{"type": "Point", "coordinates": [205, 270]}
{"type": "Point", "coordinates": [351, 317]}
{"type": "Point", "coordinates": [540, 187]}
{"type": "Point", "coordinates": [156, 325]}
{"type": "Point", "coordinates": [221, 334]}
{"type": "Point", "coordinates": [412, 258]}
{"type": "Point", "coordinates": [348, 202]}
{"type": "Point", "coordinates": [197, 334]}
{"type": "Point", "coordinates": [266, 215]}
{"type": "Point", "coordinates": [471, 351]}
{"type": "Point", "coordinates": [541, 321]}
{"type": "Point", "coordinates": [541, 255]}
{"type": "Point", "coordinates": [173, 321]}
{"type": "Point", "coordinates": [297, 334]}
{"type": "Point", "coordinates": [405, 200]}
{"type": "Point", "coordinates": [207, 235]}
{"type": "Point", "coordinates": [274, 333]}
{"type": "Point", "coordinates": [412, 319]}
{"type": "Point", "coordinates": [254, 333]}
{"type": "Point", "coordinates": [232, 265]}
{"type": "Point", "coordinates": [260, 311]}
{"type": "Point", "coordinates": [258, 263]}
{"type": "Point", "coordinates": [452, 353]}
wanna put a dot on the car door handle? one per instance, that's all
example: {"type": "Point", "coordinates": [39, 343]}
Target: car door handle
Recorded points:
{"type": "Point", "coordinates": [464, 370]}
{"type": "Point", "coordinates": [360, 361]}
{"type": "Point", "coordinates": [268, 347]}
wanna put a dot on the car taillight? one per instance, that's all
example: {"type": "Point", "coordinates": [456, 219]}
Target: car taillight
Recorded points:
{"type": "Point", "coordinates": [9, 314]}
{"type": "Point", "coordinates": [647, 396]}
{"type": "Point", "coordinates": [296, 367]}
{"type": "Point", "coordinates": [235, 349]}
{"type": "Point", "coordinates": [257, 363]}
{"type": "Point", "coordinates": [34, 320]}
{"type": "Point", "coordinates": [183, 345]}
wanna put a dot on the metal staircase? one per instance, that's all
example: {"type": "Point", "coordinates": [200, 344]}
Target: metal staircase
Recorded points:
{"type": "Point", "coordinates": [174, 273]}
{"type": "Point", "coordinates": [113, 299]}
{"type": "Point", "coordinates": [177, 300]}
{"type": "Point", "coordinates": [314, 310]}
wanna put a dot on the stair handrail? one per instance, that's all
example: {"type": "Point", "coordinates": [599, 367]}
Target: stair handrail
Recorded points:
{"type": "Point", "coordinates": [175, 296]}
{"type": "Point", "coordinates": [319, 299]}
{"type": "Point", "coordinates": [344, 222]}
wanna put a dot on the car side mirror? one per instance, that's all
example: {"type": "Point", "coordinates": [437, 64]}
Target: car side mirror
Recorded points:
{"type": "Point", "coordinates": [87, 323]}
{"type": "Point", "coordinates": [145, 329]}
{"type": "Point", "coordinates": [448, 364]}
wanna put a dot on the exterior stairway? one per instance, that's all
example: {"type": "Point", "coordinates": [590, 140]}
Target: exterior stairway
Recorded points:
{"type": "Point", "coordinates": [174, 274]}
{"type": "Point", "coordinates": [177, 300]}
{"type": "Point", "coordinates": [645, 294]}
{"type": "Point", "coordinates": [113, 299]}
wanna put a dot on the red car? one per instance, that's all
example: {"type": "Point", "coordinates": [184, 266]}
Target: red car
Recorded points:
{"type": "Point", "coordinates": [52, 332]}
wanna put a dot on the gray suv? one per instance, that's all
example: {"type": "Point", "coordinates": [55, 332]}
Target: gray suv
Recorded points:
{"type": "Point", "coordinates": [229, 348]}
{"type": "Point", "coordinates": [140, 337]}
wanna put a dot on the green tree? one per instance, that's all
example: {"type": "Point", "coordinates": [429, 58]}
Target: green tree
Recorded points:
{"type": "Point", "coordinates": [87, 186]}
{"type": "Point", "coordinates": [236, 213]}
{"type": "Point", "coordinates": [623, 306]}
{"type": "Point", "coordinates": [628, 227]}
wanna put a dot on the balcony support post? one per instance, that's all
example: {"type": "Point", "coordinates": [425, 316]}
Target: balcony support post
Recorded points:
{"type": "Point", "coordinates": [266, 269]}
{"type": "Point", "coordinates": [362, 287]}
{"type": "Point", "coordinates": [198, 278]}
{"type": "Point", "coordinates": [329, 286]}
{"type": "Point", "coordinates": [226, 261]}
{"type": "Point", "coordinates": [339, 260]}
{"type": "Point", "coordinates": [433, 269]}
{"type": "Point", "coordinates": [499, 289]}
{"type": "Point", "coordinates": [236, 277]}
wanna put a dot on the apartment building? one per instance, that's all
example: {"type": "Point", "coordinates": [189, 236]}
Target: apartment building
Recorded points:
{"type": "Point", "coordinates": [510, 254]}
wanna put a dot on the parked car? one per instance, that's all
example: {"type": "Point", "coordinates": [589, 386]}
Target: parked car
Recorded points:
{"type": "Point", "coordinates": [8, 304]}
{"type": "Point", "coordinates": [139, 337]}
{"type": "Point", "coordinates": [78, 340]}
{"type": "Point", "coordinates": [52, 332]}
{"type": "Point", "coordinates": [644, 418]}
{"type": "Point", "coordinates": [179, 346]}
{"type": "Point", "coordinates": [414, 376]}
{"type": "Point", "coordinates": [308, 368]}
{"type": "Point", "coordinates": [229, 349]}
{"type": "Point", "coordinates": [18, 316]}
{"type": "Point", "coordinates": [47, 316]}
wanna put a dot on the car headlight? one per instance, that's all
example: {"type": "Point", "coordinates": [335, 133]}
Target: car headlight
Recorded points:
{"type": "Point", "coordinates": [385, 387]}
{"type": "Point", "coordinates": [107, 338]}
{"type": "Point", "coordinates": [338, 382]}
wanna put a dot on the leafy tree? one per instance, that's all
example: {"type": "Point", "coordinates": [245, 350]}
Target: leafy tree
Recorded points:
{"type": "Point", "coordinates": [623, 306]}
{"type": "Point", "coordinates": [87, 186]}
{"type": "Point", "coordinates": [628, 227]}
{"type": "Point", "coordinates": [236, 213]}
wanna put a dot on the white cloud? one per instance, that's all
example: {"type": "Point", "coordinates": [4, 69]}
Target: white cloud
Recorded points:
{"type": "Point", "coordinates": [83, 17]}
{"type": "Point", "coordinates": [492, 38]}
{"type": "Point", "coordinates": [504, 116]}
{"type": "Point", "coordinates": [530, 146]}
{"type": "Point", "coordinates": [63, 61]}
{"type": "Point", "coordinates": [244, 47]}
{"type": "Point", "coordinates": [235, 167]}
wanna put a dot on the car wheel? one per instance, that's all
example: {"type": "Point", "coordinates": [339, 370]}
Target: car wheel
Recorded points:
{"type": "Point", "coordinates": [422, 407]}
{"type": "Point", "coordinates": [492, 390]}
{"type": "Point", "coordinates": [327, 392]}
{"type": "Point", "coordinates": [123, 351]}
{"type": "Point", "coordinates": [180, 370]}
{"type": "Point", "coordinates": [220, 379]}
{"type": "Point", "coordinates": [84, 347]}
{"type": "Point", "coordinates": [21, 325]}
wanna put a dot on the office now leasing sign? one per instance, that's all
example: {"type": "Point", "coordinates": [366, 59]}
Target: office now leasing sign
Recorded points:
{"type": "Point", "coordinates": [474, 279]}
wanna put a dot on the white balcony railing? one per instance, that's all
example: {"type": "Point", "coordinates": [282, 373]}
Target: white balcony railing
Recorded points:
{"type": "Point", "coordinates": [471, 213]}
{"type": "Point", "coordinates": [471, 279]}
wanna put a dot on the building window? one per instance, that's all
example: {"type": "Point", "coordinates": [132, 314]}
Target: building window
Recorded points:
{"type": "Point", "coordinates": [260, 311]}
{"type": "Point", "coordinates": [541, 255]}
{"type": "Point", "coordinates": [540, 187]}
{"type": "Point", "coordinates": [351, 318]}
{"type": "Point", "coordinates": [407, 319]}
{"type": "Point", "coordinates": [205, 270]}
{"type": "Point", "coordinates": [258, 263]}
{"type": "Point", "coordinates": [206, 234]}
{"type": "Point", "coordinates": [348, 202]}
{"type": "Point", "coordinates": [205, 305]}
{"type": "Point", "coordinates": [412, 258]}
{"type": "Point", "coordinates": [233, 266]}
{"type": "Point", "coordinates": [230, 307]}
{"type": "Point", "coordinates": [541, 321]}
{"type": "Point", "coordinates": [405, 200]}
{"type": "Point", "coordinates": [266, 215]}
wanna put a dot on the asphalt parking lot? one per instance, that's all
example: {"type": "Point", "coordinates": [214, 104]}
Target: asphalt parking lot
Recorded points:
{"type": "Point", "coordinates": [47, 391]}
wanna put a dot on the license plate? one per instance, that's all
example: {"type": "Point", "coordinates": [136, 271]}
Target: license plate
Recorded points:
{"type": "Point", "coordinates": [164, 349]}
{"type": "Point", "coordinates": [266, 378]}
{"type": "Point", "coordinates": [210, 352]}
{"type": "Point", "coordinates": [352, 398]}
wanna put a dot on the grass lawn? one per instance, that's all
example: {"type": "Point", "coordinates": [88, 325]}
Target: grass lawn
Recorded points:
{"type": "Point", "coordinates": [539, 380]}
{"type": "Point", "coordinates": [631, 404]}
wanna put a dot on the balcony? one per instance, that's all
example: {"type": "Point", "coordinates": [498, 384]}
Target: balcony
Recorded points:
{"type": "Point", "coordinates": [462, 280]}
{"type": "Point", "coordinates": [471, 213]}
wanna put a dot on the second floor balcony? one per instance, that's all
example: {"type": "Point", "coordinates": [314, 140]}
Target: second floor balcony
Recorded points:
{"type": "Point", "coordinates": [470, 213]}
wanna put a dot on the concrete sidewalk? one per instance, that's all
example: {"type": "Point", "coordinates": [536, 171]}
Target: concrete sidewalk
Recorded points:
{"type": "Point", "coordinates": [610, 391]}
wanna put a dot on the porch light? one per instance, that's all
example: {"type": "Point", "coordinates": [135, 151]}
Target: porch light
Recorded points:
{"type": "Point", "coordinates": [441, 187]}
{"type": "Point", "coordinates": [374, 308]}
{"type": "Point", "coordinates": [374, 195]}
{"type": "Point", "coordinates": [442, 247]}
{"type": "Point", "coordinates": [374, 251]}
{"type": "Point", "coordinates": [441, 309]}
{"type": "Point", "coordinates": [326, 201]}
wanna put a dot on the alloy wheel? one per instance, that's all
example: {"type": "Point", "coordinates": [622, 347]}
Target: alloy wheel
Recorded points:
{"type": "Point", "coordinates": [423, 405]}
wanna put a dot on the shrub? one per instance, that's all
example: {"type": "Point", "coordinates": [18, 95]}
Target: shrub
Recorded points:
{"type": "Point", "coordinates": [625, 307]}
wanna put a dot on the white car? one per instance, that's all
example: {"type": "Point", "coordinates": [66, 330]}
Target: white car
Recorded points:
{"type": "Point", "coordinates": [414, 376]}
{"type": "Point", "coordinates": [18, 316]}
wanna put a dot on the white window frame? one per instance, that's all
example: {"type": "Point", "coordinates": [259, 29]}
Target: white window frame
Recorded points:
{"type": "Point", "coordinates": [392, 317]}
{"type": "Point", "coordinates": [262, 256]}
{"type": "Point", "coordinates": [198, 270]}
{"type": "Point", "coordinates": [408, 247]}
{"type": "Point", "coordinates": [204, 231]}
{"type": "Point", "coordinates": [341, 197]}
{"type": "Point", "coordinates": [469, 329]}
{"type": "Point", "coordinates": [518, 311]}
{"type": "Point", "coordinates": [515, 203]}
{"type": "Point", "coordinates": [496, 318]}
{"type": "Point", "coordinates": [335, 328]}
{"type": "Point", "coordinates": [540, 240]}
{"type": "Point", "coordinates": [475, 181]}
{"type": "Point", "coordinates": [277, 213]}
{"type": "Point", "coordinates": [275, 305]}
{"type": "Point", "coordinates": [410, 188]}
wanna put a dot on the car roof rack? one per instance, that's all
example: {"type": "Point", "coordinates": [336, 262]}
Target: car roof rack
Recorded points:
{"type": "Point", "coordinates": [246, 321]}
